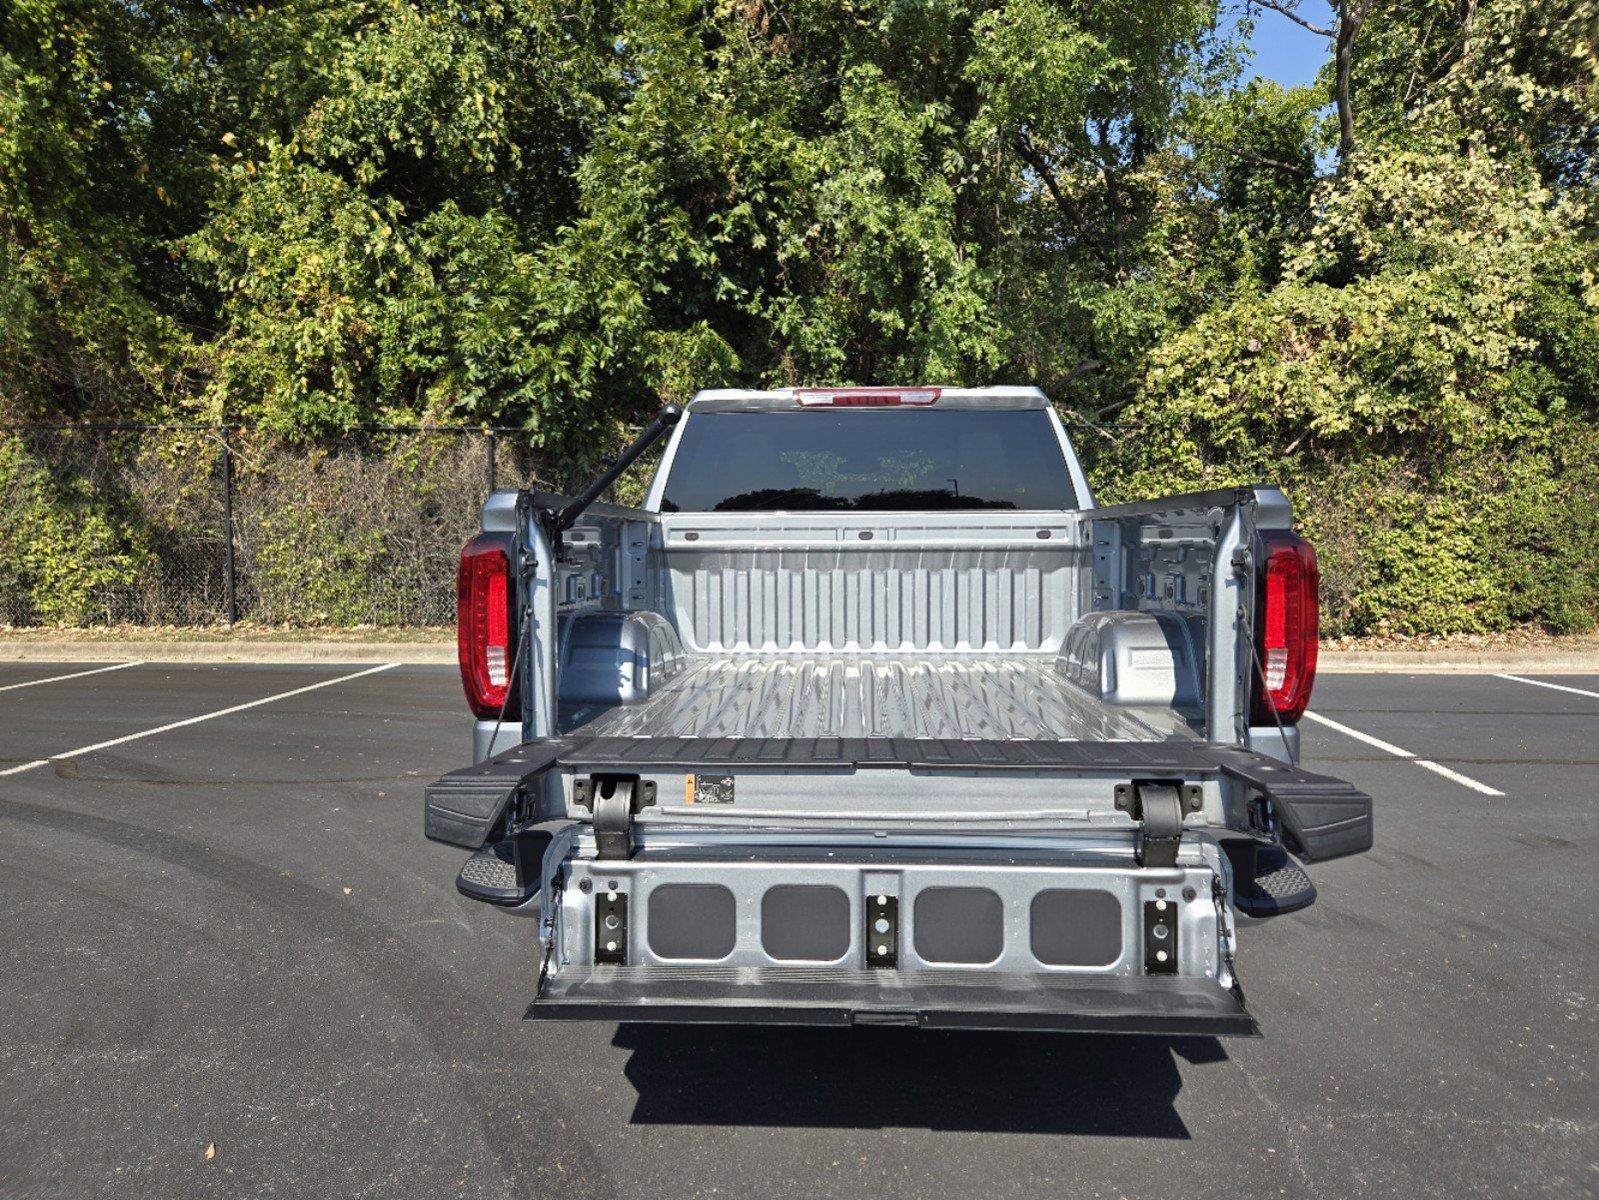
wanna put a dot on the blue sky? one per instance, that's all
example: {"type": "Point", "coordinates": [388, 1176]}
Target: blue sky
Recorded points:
{"type": "Point", "coordinates": [1284, 51]}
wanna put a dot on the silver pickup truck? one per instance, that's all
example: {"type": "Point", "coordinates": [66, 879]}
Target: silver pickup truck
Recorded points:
{"type": "Point", "coordinates": [869, 715]}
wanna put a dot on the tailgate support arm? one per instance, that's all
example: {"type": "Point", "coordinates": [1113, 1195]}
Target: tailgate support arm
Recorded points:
{"type": "Point", "coordinates": [1159, 807]}
{"type": "Point", "coordinates": [614, 800]}
{"type": "Point", "coordinates": [613, 821]}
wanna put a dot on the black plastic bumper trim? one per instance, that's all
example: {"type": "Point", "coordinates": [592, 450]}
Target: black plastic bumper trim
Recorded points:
{"type": "Point", "coordinates": [464, 807]}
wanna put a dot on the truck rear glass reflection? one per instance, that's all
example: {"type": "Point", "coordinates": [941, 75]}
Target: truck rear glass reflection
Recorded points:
{"type": "Point", "coordinates": [876, 460]}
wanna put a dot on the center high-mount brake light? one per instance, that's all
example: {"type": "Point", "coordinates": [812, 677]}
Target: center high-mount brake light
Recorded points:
{"type": "Point", "coordinates": [1287, 627]}
{"type": "Point", "coordinates": [866, 397]}
{"type": "Point", "coordinates": [485, 625]}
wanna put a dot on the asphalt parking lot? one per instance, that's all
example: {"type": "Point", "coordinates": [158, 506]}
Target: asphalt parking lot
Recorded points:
{"type": "Point", "coordinates": [231, 934]}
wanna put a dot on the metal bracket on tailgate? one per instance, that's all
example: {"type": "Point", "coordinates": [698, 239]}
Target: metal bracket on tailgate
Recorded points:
{"type": "Point", "coordinates": [882, 931]}
{"type": "Point", "coordinates": [1159, 806]}
{"type": "Point", "coordinates": [610, 927]}
{"type": "Point", "coordinates": [1160, 937]}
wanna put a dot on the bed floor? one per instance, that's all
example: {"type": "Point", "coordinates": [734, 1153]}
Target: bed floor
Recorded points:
{"type": "Point", "coordinates": [971, 697]}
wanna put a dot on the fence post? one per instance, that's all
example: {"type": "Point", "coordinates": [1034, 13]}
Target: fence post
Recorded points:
{"type": "Point", "coordinates": [490, 440]}
{"type": "Point", "coordinates": [227, 521]}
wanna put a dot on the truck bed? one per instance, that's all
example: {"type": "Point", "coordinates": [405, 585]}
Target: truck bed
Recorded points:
{"type": "Point", "coordinates": [860, 722]}
{"type": "Point", "coordinates": [1021, 698]}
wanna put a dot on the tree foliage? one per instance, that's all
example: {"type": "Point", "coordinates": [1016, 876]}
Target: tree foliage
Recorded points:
{"type": "Point", "coordinates": [1380, 290]}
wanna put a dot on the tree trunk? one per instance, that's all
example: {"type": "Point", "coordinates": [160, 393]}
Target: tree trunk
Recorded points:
{"type": "Point", "coordinates": [1351, 15]}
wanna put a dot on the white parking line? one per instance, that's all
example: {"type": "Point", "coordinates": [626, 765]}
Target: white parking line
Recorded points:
{"type": "Point", "coordinates": [75, 675]}
{"type": "Point", "coordinates": [1386, 747]}
{"type": "Point", "coordinates": [1556, 687]}
{"type": "Point", "coordinates": [1397, 752]}
{"type": "Point", "coordinates": [221, 712]}
{"type": "Point", "coordinates": [1465, 780]}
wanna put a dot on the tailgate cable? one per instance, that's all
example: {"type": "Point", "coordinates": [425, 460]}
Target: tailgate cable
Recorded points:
{"type": "Point", "coordinates": [557, 886]}
{"type": "Point", "coordinates": [510, 681]}
{"type": "Point", "coordinates": [1289, 748]}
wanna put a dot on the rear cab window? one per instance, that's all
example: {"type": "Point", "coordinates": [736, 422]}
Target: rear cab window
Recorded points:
{"type": "Point", "coordinates": [868, 460]}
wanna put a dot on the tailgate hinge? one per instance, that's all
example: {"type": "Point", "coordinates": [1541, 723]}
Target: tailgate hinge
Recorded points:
{"type": "Point", "coordinates": [1159, 807]}
{"type": "Point", "coordinates": [614, 800]}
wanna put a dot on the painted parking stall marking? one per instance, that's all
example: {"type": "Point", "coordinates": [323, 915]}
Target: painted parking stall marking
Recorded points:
{"type": "Point", "coordinates": [1555, 687]}
{"type": "Point", "coordinates": [210, 716]}
{"type": "Point", "coordinates": [1399, 752]}
{"type": "Point", "coordinates": [27, 683]}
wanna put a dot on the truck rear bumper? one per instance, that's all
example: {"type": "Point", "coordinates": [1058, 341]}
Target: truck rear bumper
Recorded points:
{"type": "Point", "coordinates": [926, 999]}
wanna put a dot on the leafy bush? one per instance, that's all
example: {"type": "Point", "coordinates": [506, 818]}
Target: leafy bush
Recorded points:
{"type": "Point", "coordinates": [304, 218]}
{"type": "Point", "coordinates": [67, 550]}
{"type": "Point", "coordinates": [1416, 381]}
{"type": "Point", "coordinates": [129, 527]}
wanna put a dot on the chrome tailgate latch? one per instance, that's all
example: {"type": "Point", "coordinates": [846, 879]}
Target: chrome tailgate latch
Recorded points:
{"type": "Point", "coordinates": [1159, 807]}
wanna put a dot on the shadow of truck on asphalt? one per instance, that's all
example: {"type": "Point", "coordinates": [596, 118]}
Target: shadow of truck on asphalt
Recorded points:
{"type": "Point", "coordinates": [1089, 1084]}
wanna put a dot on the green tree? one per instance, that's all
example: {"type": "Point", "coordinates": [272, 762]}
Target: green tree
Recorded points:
{"type": "Point", "coordinates": [106, 113]}
{"type": "Point", "coordinates": [430, 220]}
{"type": "Point", "coordinates": [305, 217]}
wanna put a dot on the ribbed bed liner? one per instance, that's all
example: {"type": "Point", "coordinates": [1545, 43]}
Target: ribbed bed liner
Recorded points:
{"type": "Point", "coordinates": [987, 698]}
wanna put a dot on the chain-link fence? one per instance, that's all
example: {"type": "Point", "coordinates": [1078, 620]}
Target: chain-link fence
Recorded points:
{"type": "Point", "coordinates": [193, 525]}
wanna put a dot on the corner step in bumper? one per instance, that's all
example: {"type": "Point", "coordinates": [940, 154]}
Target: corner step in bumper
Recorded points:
{"type": "Point", "coordinates": [491, 875]}
{"type": "Point", "coordinates": [1271, 885]}
{"type": "Point", "coordinates": [927, 999]}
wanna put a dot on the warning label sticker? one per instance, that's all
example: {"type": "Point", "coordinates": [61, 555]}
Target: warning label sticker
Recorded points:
{"type": "Point", "coordinates": [708, 789]}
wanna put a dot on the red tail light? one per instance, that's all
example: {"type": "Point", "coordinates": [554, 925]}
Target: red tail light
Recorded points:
{"type": "Point", "coordinates": [484, 624]}
{"type": "Point", "coordinates": [877, 397]}
{"type": "Point", "coordinates": [1287, 625]}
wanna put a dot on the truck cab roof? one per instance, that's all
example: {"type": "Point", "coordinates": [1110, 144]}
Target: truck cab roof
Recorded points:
{"type": "Point", "coordinates": [787, 399]}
